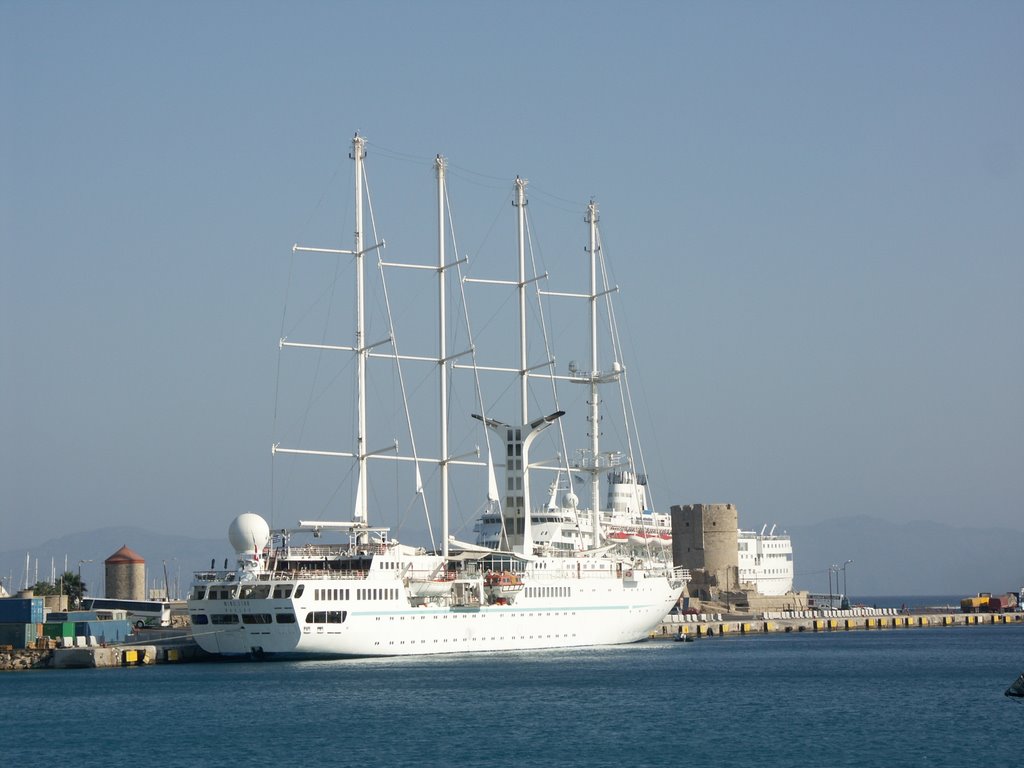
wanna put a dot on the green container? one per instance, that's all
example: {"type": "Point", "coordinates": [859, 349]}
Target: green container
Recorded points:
{"type": "Point", "coordinates": [59, 629]}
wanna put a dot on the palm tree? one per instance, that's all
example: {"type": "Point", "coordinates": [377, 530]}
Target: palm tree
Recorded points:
{"type": "Point", "coordinates": [73, 587]}
{"type": "Point", "coordinates": [67, 584]}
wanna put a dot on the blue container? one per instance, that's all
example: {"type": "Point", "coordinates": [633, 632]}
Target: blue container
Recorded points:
{"type": "Point", "coordinates": [19, 635]}
{"type": "Point", "coordinates": [21, 610]}
{"type": "Point", "coordinates": [115, 631]}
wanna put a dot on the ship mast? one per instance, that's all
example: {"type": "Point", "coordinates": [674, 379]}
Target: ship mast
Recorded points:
{"type": "Point", "coordinates": [358, 154]}
{"type": "Point", "coordinates": [442, 355]}
{"type": "Point", "coordinates": [595, 415]}
{"type": "Point", "coordinates": [524, 393]}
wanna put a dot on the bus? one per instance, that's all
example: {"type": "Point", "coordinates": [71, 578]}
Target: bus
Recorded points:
{"type": "Point", "coordinates": [143, 612]}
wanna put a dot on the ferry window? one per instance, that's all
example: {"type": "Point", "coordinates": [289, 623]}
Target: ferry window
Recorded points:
{"type": "Point", "coordinates": [285, 618]}
{"type": "Point", "coordinates": [200, 618]}
{"type": "Point", "coordinates": [223, 618]}
{"type": "Point", "coordinates": [256, 618]}
{"type": "Point", "coordinates": [199, 592]}
{"type": "Point", "coordinates": [282, 591]}
{"type": "Point", "coordinates": [298, 590]}
{"type": "Point", "coordinates": [255, 592]}
{"type": "Point", "coordinates": [336, 617]}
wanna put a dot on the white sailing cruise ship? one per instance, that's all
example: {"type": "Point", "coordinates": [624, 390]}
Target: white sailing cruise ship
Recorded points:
{"type": "Point", "coordinates": [293, 595]}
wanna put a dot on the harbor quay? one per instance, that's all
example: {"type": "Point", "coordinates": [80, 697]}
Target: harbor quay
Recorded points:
{"type": "Point", "coordinates": [694, 626]}
{"type": "Point", "coordinates": [176, 647]}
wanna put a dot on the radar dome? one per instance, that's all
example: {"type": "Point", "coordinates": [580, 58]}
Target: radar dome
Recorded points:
{"type": "Point", "coordinates": [248, 532]}
{"type": "Point", "coordinates": [570, 500]}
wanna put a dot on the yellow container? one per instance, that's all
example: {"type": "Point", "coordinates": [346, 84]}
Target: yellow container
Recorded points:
{"type": "Point", "coordinates": [131, 657]}
{"type": "Point", "coordinates": [869, 623]}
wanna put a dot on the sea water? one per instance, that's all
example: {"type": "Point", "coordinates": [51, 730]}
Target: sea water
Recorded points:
{"type": "Point", "coordinates": [915, 697]}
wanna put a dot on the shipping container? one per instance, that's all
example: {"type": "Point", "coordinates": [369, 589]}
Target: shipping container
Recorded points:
{"type": "Point", "coordinates": [18, 635]}
{"type": "Point", "coordinates": [59, 629]}
{"type": "Point", "coordinates": [974, 604]}
{"type": "Point", "coordinates": [104, 631]}
{"type": "Point", "coordinates": [21, 610]}
{"type": "Point", "coordinates": [999, 604]}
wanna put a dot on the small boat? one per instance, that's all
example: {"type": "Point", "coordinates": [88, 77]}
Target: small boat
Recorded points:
{"type": "Point", "coordinates": [1017, 688]}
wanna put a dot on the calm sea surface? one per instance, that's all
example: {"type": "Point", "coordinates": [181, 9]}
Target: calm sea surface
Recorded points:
{"type": "Point", "coordinates": [915, 697]}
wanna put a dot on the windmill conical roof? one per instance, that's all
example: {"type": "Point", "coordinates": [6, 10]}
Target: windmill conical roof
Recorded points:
{"type": "Point", "coordinates": [124, 555]}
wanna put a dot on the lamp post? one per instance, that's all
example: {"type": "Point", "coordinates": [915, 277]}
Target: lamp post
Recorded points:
{"type": "Point", "coordinates": [830, 586]}
{"type": "Point", "coordinates": [846, 595]}
{"type": "Point", "coordinates": [81, 592]}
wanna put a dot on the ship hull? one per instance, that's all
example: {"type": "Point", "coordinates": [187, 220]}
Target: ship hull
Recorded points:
{"type": "Point", "coordinates": [593, 614]}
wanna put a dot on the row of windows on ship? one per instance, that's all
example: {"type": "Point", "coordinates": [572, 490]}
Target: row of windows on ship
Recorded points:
{"type": "Point", "coordinates": [312, 617]}
{"type": "Point", "coordinates": [284, 591]}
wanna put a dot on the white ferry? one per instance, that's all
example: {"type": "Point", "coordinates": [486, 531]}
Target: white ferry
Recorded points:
{"type": "Point", "coordinates": [368, 595]}
{"type": "Point", "coordinates": [766, 561]}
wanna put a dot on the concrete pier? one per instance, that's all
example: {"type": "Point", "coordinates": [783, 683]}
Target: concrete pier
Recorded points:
{"type": "Point", "coordinates": [711, 625]}
{"type": "Point", "coordinates": [104, 656]}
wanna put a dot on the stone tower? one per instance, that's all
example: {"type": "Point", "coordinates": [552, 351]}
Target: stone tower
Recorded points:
{"type": "Point", "coordinates": [704, 538]}
{"type": "Point", "coordinates": [126, 575]}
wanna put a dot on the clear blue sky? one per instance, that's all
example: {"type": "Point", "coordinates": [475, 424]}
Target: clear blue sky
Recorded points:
{"type": "Point", "coordinates": [817, 210]}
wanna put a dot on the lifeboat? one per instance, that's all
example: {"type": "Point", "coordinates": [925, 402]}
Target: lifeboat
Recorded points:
{"type": "Point", "coordinates": [502, 587]}
{"type": "Point", "coordinates": [503, 583]}
{"type": "Point", "coordinates": [618, 537]}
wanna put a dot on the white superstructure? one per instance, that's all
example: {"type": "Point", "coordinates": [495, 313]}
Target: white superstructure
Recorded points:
{"type": "Point", "coordinates": [365, 594]}
{"type": "Point", "coordinates": [766, 561]}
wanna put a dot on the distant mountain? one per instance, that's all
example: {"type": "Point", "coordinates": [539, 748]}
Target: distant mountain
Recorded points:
{"type": "Point", "coordinates": [182, 556]}
{"type": "Point", "coordinates": [919, 558]}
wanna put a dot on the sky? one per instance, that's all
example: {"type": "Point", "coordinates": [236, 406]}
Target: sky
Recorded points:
{"type": "Point", "coordinates": [815, 213]}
